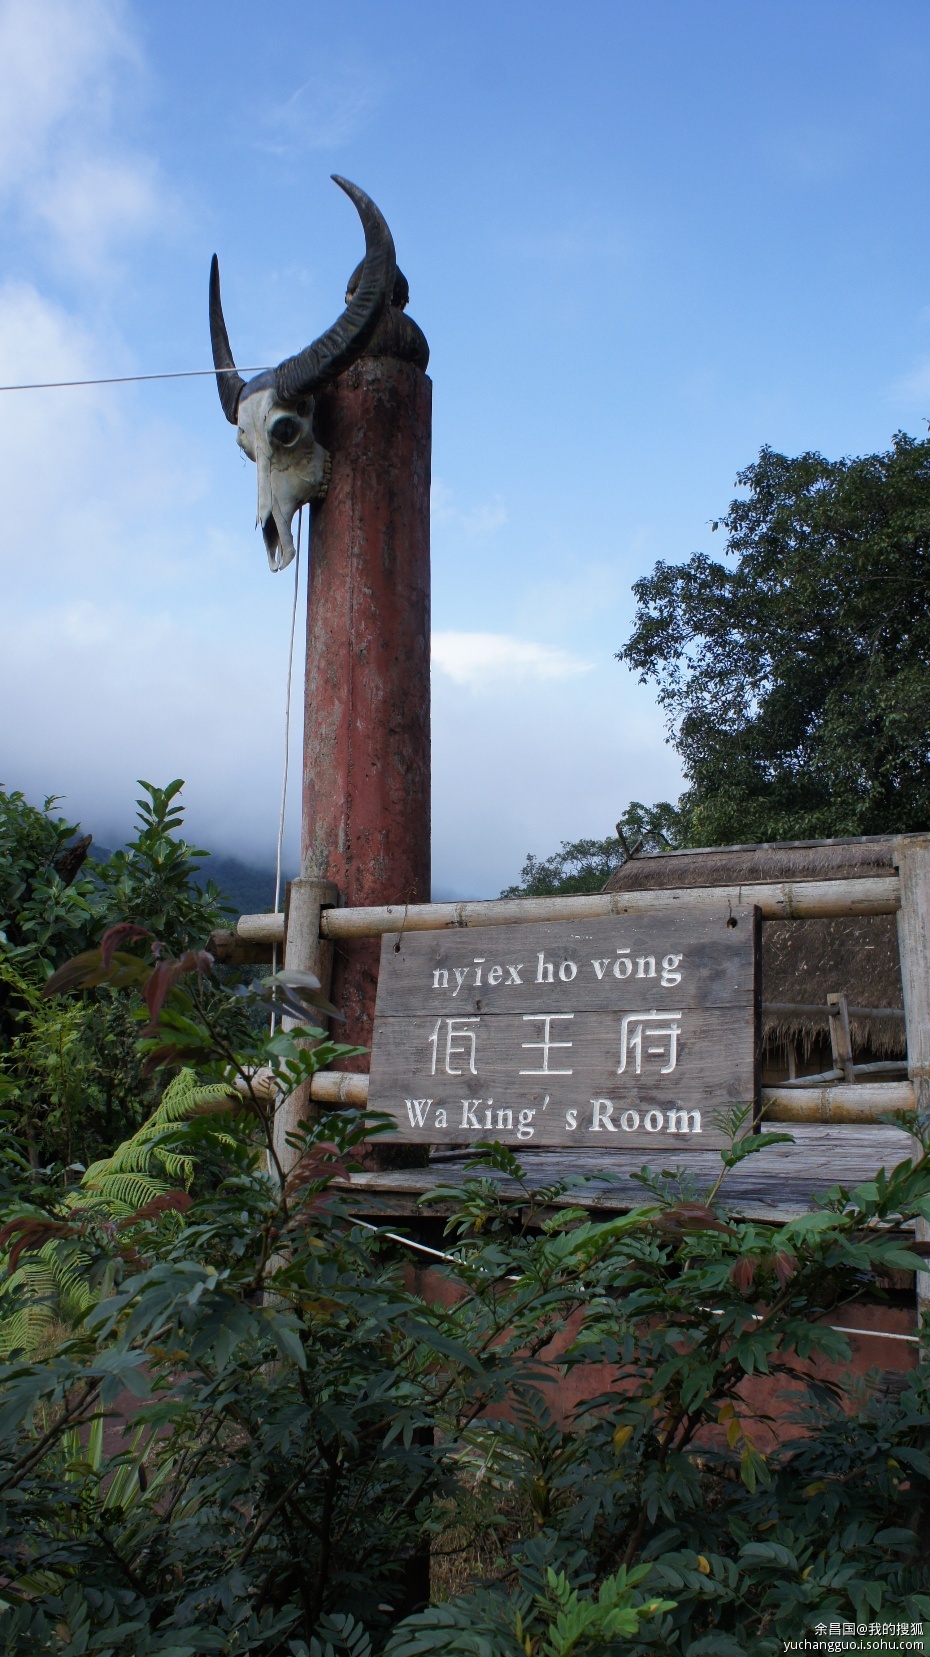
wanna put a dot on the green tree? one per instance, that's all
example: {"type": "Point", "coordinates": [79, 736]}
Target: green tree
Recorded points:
{"type": "Point", "coordinates": [71, 1074]}
{"type": "Point", "coordinates": [47, 898]}
{"type": "Point", "coordinates": [303, 1422]}
{"type": "Point", "coordinates": [796, 675]}
{"type": "Point", "coordinates": [585, 865]}
{"type": "Point", "coordinates": [156, 879]}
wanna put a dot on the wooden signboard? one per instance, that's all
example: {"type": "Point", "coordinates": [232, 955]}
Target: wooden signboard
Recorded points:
{"type": "Point", "coordinates": [625, 1031]}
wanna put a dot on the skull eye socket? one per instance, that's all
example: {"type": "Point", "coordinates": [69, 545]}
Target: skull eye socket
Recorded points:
{"type": "Point", "coordinates": [285, 430]}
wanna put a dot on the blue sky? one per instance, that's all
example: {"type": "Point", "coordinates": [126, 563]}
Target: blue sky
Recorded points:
{"type": "Point", "coordinates": [642, 240]}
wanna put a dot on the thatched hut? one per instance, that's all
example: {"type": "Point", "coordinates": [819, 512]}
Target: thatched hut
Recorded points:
{"type": "Point", "coordinates": [803, 961]}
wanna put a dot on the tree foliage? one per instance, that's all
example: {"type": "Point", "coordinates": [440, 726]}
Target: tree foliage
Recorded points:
{"type": "Point", "coordinates": [796, 675]}
{"type": "Point", "coordinates": [586, 865]}
{"type": "Point", "coordinates": [70, 1072]}
{"type": "Point", "coordinates": [256, 1421]}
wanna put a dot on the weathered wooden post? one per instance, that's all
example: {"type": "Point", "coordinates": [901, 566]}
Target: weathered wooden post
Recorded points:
{"type": "Point", "coordinates": [366, 799]}
{"type": "Point", "coordinates": [304, 951]}
{"type": "Point", "coordinates": [345, 426]}
{"type": "Point", "coordinates": [912, 855]}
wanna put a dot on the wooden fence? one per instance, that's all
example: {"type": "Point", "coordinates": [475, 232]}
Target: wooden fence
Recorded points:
{"type": "Point", "coordinates": [315, 923]}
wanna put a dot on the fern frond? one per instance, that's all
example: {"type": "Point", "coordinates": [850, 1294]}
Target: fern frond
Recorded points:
{"type": "Point", "coordinates": [122, 1193]}
{"type": "Point", "coordinates": [68, 1274]}
{"type": "Point", "coordinates": [183, 1099]}
{"type": "Point", "coordinates": [25, 1330]}
{"type": "Point", "coordinates": [49, 1287]}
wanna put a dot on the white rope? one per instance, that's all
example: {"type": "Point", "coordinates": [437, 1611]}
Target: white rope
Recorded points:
{"type": "Point", "coordinates": [287, 747]}
{"type": "Point", "coordinates": [437, 1254]}
{"type": "Point", "coordinates": [134, 379]}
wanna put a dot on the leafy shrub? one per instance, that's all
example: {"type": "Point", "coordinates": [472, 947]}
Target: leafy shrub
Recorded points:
{"type": "Point", "coordinates": [586, 865]}
{"type": "Point", "coordinates": [71, 1073]}
{"type": "Point", "coordinates": [251, 1426]}
{"type": "Point", "coordinates": [794, 670]}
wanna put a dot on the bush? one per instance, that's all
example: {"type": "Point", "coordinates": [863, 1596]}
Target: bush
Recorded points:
{"type": "Point", "coordinates": [71, 1076]}
{"type": "Point", "coordinates": [586, 865]}
{"type": "Point", "coordinates": [300, 1425]}
{"type": "Point", "coordinates": [794, 670]}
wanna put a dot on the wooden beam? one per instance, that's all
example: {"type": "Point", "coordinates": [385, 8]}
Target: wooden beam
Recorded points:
{"type": "Point", "coordinates": [865, 1102]}
{"type": "Point", "coordinates": [231, 951]}
{"type": "Point", "coordinates": [877, 895]}
{"type": "Point", "coordinates": [305, 951]}
{"type": "Point", "coordinates": [912, 856]}
{"type": "Point", "coordinates": [260, 929]}
{"type": "Point", "coordinates": [338, 1087]}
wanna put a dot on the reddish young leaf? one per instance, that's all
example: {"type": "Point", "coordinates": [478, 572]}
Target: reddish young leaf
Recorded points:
{"type": "Point", "coordinates": [33, 1233]}
{"type": "Point", "coordinates": [124, 932]}
{"type": "Point", "coordinates": [785, 1266]}
{"type": "Point", "coordinates": [165, 975]}
{"type": "Point", "coordinates": [87, 969]}
{"type": "Point", "coordinates": [177, 1202]}
{"type": "Point", "coordinates": [74, 974]}
{"type": "Point", "coordinates": [742, 1273]}
{"type": "Point", "coordinates": [690, 1216]}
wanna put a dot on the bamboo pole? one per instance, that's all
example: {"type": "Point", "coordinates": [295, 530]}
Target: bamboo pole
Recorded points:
{"type": "Point", "coordinates": [877, 895]}
{"type": "Point", "coordinates": [865, 1102]}
{"type": "Point", "coordinates": [260, 929]}
{"type": "Point", "coordinates": [305, 951]}
{"type": "Point", "coordinates": [912, 856]}
{"type": "Point", "coordinates": [339, 1087]}
{"type": "Point", "coordinates": [840, 1038]}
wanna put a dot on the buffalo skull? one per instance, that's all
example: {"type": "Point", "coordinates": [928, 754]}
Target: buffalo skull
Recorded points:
{"type": "Point", "coordinates": [273, 412]}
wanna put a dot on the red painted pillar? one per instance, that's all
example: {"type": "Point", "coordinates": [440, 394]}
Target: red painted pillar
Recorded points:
{"type": "Point", "coordinates": [366, 784]}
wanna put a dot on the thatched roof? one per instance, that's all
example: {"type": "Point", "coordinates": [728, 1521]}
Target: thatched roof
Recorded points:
{"type": "Point", "coordinates": [803, 961]}
{"type": "Point", "coordinates": [779, 860]}
{"type": "Point", "coordinates": [807, 960]}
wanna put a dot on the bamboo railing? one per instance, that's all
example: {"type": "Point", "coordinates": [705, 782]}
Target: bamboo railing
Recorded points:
{"type": "Point", "coordinates": [857, 1102]}
{"type": "Point", "coordinates": [780, 900]}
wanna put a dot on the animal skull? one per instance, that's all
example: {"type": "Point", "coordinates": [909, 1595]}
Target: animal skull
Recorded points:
{"type": "Point", "coordinates": [293, 468]}
{"type": "Point", "coordinates": [274, 411]}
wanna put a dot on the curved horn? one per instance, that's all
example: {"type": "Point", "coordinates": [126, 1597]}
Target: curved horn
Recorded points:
{"type": "Point", "coordinates": [339, 347]}
{"type": "Point", "coordinates": [229, 383]}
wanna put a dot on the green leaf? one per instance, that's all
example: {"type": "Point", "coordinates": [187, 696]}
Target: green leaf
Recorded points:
{"type": "Point", "coordinates": [439, 1342]}
{"type": "Point", "coordinates": [288, 1342]}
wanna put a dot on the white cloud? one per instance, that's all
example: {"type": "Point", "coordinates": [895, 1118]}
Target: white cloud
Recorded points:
{"type": "Point", "coordinates": [325, 112]}
{"type": "Point", "coordinates": [39, 340]}
{"type": "Point", "coordinates": [441, 503]}
{"type": "Point", "coordinates": [66, 68]}
{"type": "Point", "coordinates": [483, 660]}
{"type": "Point", "coordinates": [811, 150]}
{"type": "Point", "coordinates": [99, 203]}
{"type": "Point", "coordinates": [58, 60]}
{"type": "Point", "coordinates": [100, 692]}
{"type": "Point", "coordinates": [483, 520]}
{"type": "Point", "coordinates": [593, 242]}
{"type": "Point", "coordinates": [477, 521]}
{"type": "Point", "coordinates": [82, 476]}
{"type": "Point", "coordinates": [534, 764]}
{"type": "Point", "coordinates": [915, 386]}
